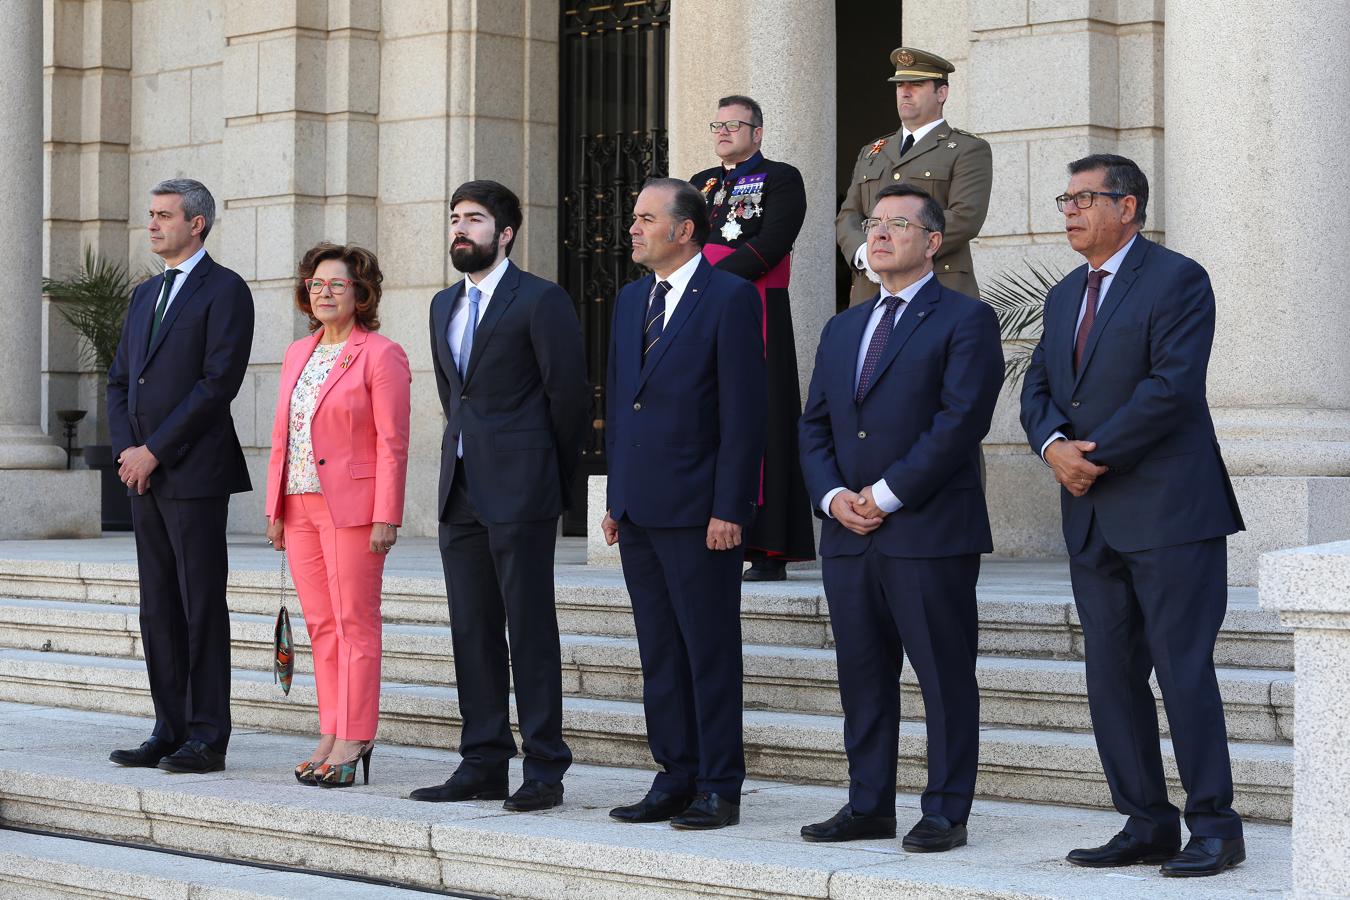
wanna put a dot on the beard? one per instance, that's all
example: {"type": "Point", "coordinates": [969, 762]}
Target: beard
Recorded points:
{"type": "Point", "coordinates": [474, 257]}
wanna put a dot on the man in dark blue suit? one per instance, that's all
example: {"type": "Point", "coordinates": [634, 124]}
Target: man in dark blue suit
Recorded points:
{"type": "Point", "coordinates": [902, 394]}
{"type": "Point", "coordinates": [507, 351]}
{"type": "Point", "coordinates": [1114, 402]}
{"type": "Point", "coordinates": [184, 350]}
{"type": "Point", "coordinates": [684, 427]}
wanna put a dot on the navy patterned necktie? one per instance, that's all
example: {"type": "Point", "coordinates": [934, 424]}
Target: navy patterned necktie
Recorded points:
{"type": "Point", "coordinates": [1094, 287]}
{"type": "Point", "coordinates": [655, 318]}
{"type": "Point", "coordinates": [877, 345]}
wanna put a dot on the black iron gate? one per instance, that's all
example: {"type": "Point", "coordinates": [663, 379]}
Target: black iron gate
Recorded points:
{"type": "Point", "coordinates": [612, 138]}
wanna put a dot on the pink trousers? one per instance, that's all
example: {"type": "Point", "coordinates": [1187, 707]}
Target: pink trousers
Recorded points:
{"type": "Point", "coordinates": [338, 581]}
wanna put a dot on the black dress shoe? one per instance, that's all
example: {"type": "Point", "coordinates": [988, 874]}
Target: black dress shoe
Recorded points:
{"type": "Point", "coordinates": [657, 806]}
{"type": "Point", "coordinates": [766, 569]}
{"type": "Point", "coordinates": [708, 811]}
{"type": "Point", "coordinates": [146, 756]}
{"type": "Point", "coordinates": [463, 787]}
{"type": "Point", "coordinates": [1205, 856]}
{"type": "Point", "coordinates": [934, 834]}
{"type": "Point", "coordinates": [535, 795]}
{"type": "Point", "coordinates": [846, 825]}
{"type": "Point", "coordinates": [193, 757]}
{"type": "Point", "coordinates": [1124, 850]}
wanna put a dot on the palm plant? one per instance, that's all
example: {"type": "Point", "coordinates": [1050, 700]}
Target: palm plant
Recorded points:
{"type": "Point", "coordinates": [1018, 300]}
{"type": "Point", "coordinates": [94, 301]}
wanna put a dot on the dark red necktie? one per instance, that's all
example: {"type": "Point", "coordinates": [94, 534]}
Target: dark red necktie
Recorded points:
{"type": "Point", "coordinates": [1094, 288]}
{"type": "Point", "coordinates": [877, 345]}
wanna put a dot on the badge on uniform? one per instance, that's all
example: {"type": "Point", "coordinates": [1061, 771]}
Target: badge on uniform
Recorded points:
{"type": "Point", "coordinates": [876, 147]}
{"type": "Point", "coordinates": [746, 203]}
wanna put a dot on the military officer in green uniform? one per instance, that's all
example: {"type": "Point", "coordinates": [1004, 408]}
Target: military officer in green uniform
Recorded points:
{"type": "Point", "coordinates": [953, 165]}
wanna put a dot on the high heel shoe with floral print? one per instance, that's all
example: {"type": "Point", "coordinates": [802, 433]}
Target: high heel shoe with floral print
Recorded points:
{"type": "Point", "coordinates": [343, 774]}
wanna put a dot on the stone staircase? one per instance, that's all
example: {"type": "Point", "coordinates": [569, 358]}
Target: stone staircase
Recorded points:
{"type": "Point", "coordinates": [69, 640]}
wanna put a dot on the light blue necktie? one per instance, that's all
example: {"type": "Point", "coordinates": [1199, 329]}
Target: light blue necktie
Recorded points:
{"type": "Point", "coordinates": [466, 342]}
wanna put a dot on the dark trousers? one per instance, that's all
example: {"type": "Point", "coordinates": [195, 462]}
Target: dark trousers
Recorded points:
{"type": "Point", "coordinates": [1157, 610]}
{"type": "Point", "coordinates": [687, 608]}
{"type": "Point", "coordinates": [883, 609]}
{"type": "Point", "coordinates": [185, 623]}
{"type": "Point", "coordinates": [500, 580]}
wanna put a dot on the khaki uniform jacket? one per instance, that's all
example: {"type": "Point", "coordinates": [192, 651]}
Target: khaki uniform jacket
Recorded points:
{"type": "Point", "coordinates": [955, 167]}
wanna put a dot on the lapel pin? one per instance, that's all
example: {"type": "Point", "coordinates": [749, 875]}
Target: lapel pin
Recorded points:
{"type": "Point", "coordinates": [347, 361]}
{"type": "Point", "coordinates": [951, 145]}
{"type": "Point", "coordinates": [923, 313]}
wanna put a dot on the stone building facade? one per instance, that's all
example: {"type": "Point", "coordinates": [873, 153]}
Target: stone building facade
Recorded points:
{"type": "Point", "coordinates": [352, 120]}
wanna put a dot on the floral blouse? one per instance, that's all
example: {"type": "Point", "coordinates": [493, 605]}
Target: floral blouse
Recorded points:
{"type": "Point", "coordinates": [302, 477]}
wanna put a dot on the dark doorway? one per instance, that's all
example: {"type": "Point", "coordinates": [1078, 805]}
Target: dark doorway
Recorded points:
{"type": "Point", "coordinates": [612, 137]}
{"type": "Point", "coordinates": [865, 33]}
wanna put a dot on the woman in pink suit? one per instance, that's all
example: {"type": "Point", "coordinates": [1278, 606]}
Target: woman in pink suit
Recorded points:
{"type": "Point", "coordinates": [335, 486]}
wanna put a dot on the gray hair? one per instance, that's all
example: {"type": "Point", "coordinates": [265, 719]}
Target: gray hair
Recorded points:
{"type": "Point", "coordinates": [197, 200]}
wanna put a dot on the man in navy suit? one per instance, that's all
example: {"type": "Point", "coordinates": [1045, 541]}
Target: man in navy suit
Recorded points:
{"type": "Point", "coordinates": [507, 351]}
{"type": "Point", "coordinates": [902, 394]}
{"type": "Point", "coordinates": [1114, 402]}
{"type": "Point", "coordinates": [184, 350]}
{"type": "Point", "coordinates": [686, 394]}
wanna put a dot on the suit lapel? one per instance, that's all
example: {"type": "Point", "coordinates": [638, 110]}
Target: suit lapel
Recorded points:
{"type": "Point", "coordinates": [441, 314]}
{"type": "Point", "coordinates": [628, 319]}
{"type": "Point", "coordinates": [693, 291]}
{"type": "Point", "coordinates": [1121, 283]}
{"type": "Point", "coordinates": [915, 313]}
{"type": "Point", "coordinates": [928, 142]}
{"type": "Point", "coordinates": [181, 299]}
{"type": "Point", "coordinates": [502, 296]}
{"type": "Point", "coordinates": [143, 316]}
{"type": "Point", "coordinates": [290, 376]}
{"type": "Point", "coordinates": [852, 328]}
{"type": "Point", "coordinates": [344, 362]}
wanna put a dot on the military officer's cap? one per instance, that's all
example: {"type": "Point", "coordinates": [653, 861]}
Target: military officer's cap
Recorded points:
{"type": "Point", "coordinates": [919, 65]}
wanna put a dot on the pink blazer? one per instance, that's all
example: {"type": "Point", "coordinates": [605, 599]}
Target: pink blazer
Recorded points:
{"type": "Point", "coordinates": [359, 431]}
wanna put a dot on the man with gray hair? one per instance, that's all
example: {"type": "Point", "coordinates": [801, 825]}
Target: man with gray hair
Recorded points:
{"type": "Point", "coordinates": [184, 349]}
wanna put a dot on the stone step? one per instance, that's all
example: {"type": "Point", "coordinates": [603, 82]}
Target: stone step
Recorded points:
{"type": "Point", "coordinates": [46, 866]}
{"type": "Point", "coordinates": [1024, 608]}
{"type": "Point", "coordinates": [1015, 764]}
{"type": "Point", "coordinates": [1017, 692]}
{"type": "Point", "coordinates": [54, 775]}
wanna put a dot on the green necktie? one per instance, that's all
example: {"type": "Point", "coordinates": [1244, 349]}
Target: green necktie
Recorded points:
{"type": "Point", "coordinates": [169, 278]}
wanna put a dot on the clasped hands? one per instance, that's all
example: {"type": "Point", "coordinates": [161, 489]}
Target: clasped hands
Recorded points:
{"type": "Point", "coordinates": [722, 535]}
{"type": "Point", "coordinates": [1071, 467]}
{"type": "Point", "coordinates": [858, 512]}
{"type": "Point", "coordinates": [136, 464]}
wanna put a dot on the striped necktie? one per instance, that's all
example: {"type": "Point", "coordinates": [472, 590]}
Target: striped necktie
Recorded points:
{"type": "Point", "coordinates": [656, 316]}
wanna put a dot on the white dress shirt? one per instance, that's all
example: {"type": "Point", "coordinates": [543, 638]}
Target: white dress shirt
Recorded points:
{"type": "Point", "coordinates": [678, 281]}
{"type": "Point", "coordinates": [881, 491]}
{"type": "Point", "coordinates": [860, 255]}
{"type": "Point", "coordinates": [459, 319]}
{"type": "Point", "coordinates": [183, 268]}
{"type": "Point", "coordinates": [1111, 266]}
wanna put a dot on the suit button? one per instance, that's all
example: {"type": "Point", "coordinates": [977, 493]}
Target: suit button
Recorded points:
{"type": "Point", "coordinates": [637, 406]}
{"type": "Point", "coordinates": [862, 435]}
{"type": "Point", "coordinates": [1075, 404]}
{"type": "Point", "coordinates": [464, 399]}
{"type": "Point", "coordinates": [140, 381]}
{"type": "Point", "coordinates": [927, 174]}
{"type": "Point", "coordinates": [896, 176]}
{"type": "Point", "coordinates": [321, 462]}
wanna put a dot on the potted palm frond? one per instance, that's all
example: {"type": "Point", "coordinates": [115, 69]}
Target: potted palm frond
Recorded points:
{"type": "Point", "coordinates": [1018, 299]}
{"type": "Point", "coordinates": [94, 301]}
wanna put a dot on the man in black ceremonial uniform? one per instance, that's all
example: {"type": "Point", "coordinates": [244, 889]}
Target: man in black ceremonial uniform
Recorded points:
{"type": "Point", "coordinates": [756, 207]}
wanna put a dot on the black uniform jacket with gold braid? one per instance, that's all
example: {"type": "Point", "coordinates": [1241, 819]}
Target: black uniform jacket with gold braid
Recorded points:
{"type": "Point", "coordinates": [956, 167]}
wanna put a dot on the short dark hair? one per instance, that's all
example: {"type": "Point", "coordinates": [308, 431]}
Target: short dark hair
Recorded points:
{"type": "Point", "coordinates": [756, 114]}
{"type": "Point", "coordinates": [686, 202]}
{"type": "Point", "coordinates": [931, 215]}
{"type": "Point", "coordinates": [1123, 176]}
{"type": "Point", "coordinates": [497, 199]}
{"type": "Point", "coordinates": [366, 281]}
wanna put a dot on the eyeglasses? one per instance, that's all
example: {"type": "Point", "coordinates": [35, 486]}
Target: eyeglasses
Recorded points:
{"type": "Point", "coordinates": [731, 125]}
{"type": "Point", "coordinates": [1084, 199]}
{"type": "Point", "coordinates": [893, 225]}
{"type": "Point", "coordinates": [336, 285]}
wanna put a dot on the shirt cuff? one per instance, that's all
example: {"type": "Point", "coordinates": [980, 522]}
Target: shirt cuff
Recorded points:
{"type": "Point", "coordinates": [827, 500]}
{"type": "Point", "coordinates": [1057, 436]}
{"type": "Point", "coordinates": [881, 493]}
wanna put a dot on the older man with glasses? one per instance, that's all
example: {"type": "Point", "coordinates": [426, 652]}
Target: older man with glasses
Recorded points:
{"type": "Point", "coordinates": [1114, 402]}
{"type": "Point", "coordinates": [755, 210]}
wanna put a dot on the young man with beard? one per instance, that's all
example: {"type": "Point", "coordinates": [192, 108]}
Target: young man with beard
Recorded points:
{"type": "Point", "coordinates": [507, 351]}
